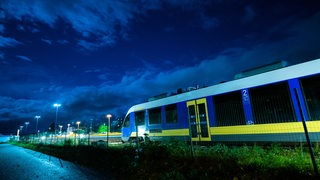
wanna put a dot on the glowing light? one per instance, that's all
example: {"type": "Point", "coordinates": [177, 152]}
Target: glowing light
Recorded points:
{"type": "Point", "coordinates": [141, 130]}
{"type": "Point", "coordinates": [56, 105]}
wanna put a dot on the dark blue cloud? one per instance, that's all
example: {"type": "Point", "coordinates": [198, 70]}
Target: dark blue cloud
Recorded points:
{"type": "Point", "coordinates": [209, 23]}
{"type": "Point", "coordinates": [249, 14]}
{"type": "Point", "coordinates": [103, 19]}
{"type": "Point", "coordinates": [11, 108]}
{"type": "Point", "coordinates": [98, 18]}
{"type": "Point", "coordinates": [24, 58]}
{"type": "Point", "coordinates": [62, 41]}
{"type": "Point", "coordinates": [1, 28]}
{"type": "Point", "coordinates": [8, 42]}
{"type": "Point", "coordinates": [47, 41]}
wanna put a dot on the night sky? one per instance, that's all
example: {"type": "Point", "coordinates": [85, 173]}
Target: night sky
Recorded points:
{"type": "Point", "coordinates": [102, 56]}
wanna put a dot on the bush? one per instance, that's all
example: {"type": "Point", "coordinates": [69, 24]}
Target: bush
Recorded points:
{"type": "Point", "coordinates": [172, 160]}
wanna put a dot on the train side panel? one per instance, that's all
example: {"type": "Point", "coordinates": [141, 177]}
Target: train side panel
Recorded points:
{"type": "Point", "coordinates": [279, 124]}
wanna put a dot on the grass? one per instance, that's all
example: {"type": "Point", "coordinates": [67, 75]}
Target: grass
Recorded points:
{"type": "Point", "coordinates": [174, 160]}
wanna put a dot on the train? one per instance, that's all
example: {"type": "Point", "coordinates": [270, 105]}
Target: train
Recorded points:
{"type": "Point", "coordinates": [262, 105]}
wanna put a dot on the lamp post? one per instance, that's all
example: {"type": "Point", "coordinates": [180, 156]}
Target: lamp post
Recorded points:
{"type": "Point", "coordinates": [108, 116]}
{"type": "Point", "coordinates": [37, 118]}
{"type": "Point", "coordinates": [26, 123]}
{"type": "Point", "coordinates": [91, 125]}
{"type": "Point", "coordinates": [55, 124]}
{"type": "Point", "coordinates": [78, 122]}
{"type": "Point", "coordinates": [60, 126]}
{"type": "Point", "coordinates": [90, 129]}
{"type": "Point", "coordinates": [27, 137]}
{"type": "Point", "coordinates": [20, 132]}
{"type": "Point", "coordinates": [68, 130]}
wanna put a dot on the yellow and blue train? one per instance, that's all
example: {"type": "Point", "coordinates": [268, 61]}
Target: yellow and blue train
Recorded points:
{"type": "Point", "coordinates": [266, 104]}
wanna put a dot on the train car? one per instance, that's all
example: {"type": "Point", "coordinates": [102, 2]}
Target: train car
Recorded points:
{"type": "Point", "coordinates": [267, 104]}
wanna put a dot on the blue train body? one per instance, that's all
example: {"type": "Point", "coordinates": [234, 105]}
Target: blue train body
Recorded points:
{"type": "Point", "coordinates": [264, 107]}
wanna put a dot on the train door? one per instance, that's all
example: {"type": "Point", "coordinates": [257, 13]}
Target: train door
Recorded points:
{"type": "Point", "coordinates": [198, 120]}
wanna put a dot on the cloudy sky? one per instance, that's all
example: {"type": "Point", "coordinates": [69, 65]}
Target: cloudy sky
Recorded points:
{"type": "Point", "coordinates": [102, 56]}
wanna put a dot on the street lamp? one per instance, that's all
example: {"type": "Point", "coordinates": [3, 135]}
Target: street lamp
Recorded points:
{"type": "Point", "coordinates": [68, 130]}
{"type": "Point", "coordinates": [108, 116]}
{"type": "Point", "coordinates": [18, 134]}
{"type": "Point", "coordinates": [60, 126]}
{"type": "Point", "coordinates": [37, 117]}
{"type": "Point", "coordinates": [26, 123]}
{"type": "Point", "coordinates": [78, 122]}
{"type": "Point", "coordinates": [55, 124]}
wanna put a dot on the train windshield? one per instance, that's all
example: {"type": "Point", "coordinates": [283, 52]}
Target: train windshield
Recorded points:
{"type": "Point", "coordinates": [126, 122]}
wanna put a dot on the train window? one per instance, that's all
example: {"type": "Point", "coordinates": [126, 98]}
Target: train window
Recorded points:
{"type": "Point", "coordinates": [311, 91]}
{"type": "Point", "coordinates": [171, 114]}
{"type": "Point", "coordinates": [139, 118]}
{"type": "Point", "coordinates": [126, 122]}
{"type": "Point", "coordinates": [272, 104]}
{"type": "Point", "coordinates": [229, 109]}
{"type": "Point", "coordinates": [155, 116]}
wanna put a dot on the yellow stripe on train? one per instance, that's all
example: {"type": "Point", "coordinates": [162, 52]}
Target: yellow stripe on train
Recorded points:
{"type": "Point", "coordinates": [171, 132]}
{"type": "Point", "coordinates": [290, 127]}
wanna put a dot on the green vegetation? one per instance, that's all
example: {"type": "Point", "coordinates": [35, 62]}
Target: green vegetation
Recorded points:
{"type": "Point", "coordinates": [173, 160]}
{"type": "Point", "coordinates": [103, 129]}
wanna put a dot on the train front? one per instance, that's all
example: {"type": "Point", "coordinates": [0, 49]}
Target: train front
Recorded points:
{"type": "Point", "coordinates": [132, 127]}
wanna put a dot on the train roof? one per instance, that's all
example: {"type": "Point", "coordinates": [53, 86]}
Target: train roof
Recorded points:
{"type": "Point", "coordinates": [278, 75]}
